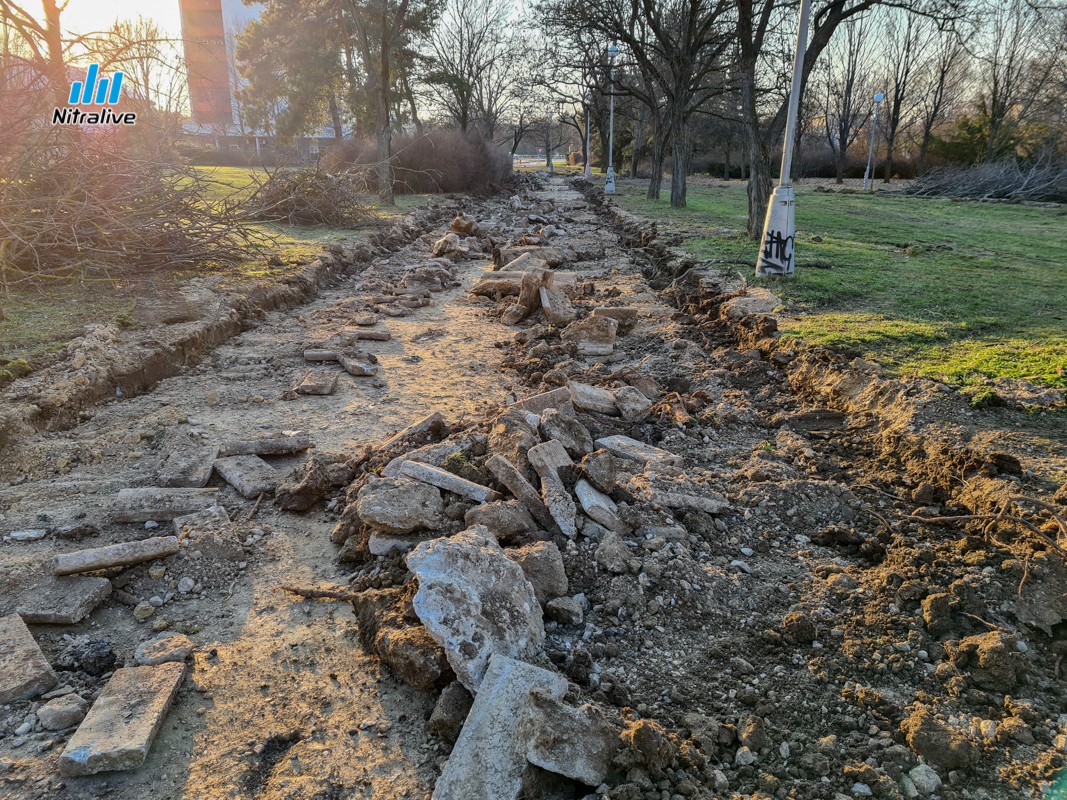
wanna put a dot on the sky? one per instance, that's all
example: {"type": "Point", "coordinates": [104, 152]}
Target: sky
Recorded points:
{"type": "Point", "coordinates": [83, 16]}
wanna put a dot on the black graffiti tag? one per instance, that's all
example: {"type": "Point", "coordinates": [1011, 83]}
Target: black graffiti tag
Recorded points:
{"type": "Point", "coordinates": [778, 249]}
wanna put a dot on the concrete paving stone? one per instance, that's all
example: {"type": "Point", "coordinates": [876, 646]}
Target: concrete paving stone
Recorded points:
{"type": "Point", "coordinates": [62, 600]}
{"type": "Point", "coordinates": [24, 671]}
{"type": "Point", "coordinates": [120, 727]}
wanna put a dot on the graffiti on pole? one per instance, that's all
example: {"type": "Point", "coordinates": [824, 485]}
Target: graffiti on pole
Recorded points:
{"type": "Point", "coordinates": [777, 253]}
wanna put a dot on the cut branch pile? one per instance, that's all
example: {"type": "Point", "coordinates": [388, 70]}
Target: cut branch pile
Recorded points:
{"type": "Point", "coordinates": [310, 196]}
{"type": "Point", "coordinates": [78, 205]}
{"type": "Point", "coordinates": [1043, 180]}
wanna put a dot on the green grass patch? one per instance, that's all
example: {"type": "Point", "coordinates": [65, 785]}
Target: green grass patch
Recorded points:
{"type": "Point", "coordinates": [956, 291]}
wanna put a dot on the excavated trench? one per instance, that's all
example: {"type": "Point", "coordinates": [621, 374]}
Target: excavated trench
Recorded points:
{"type": "Point", "coordinates": [769, 619]}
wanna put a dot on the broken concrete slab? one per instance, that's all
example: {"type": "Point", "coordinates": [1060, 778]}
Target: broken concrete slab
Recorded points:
{"type": "Point", "coordinates": [556, 306]}
{"type": "Point", "coordinates": [317, 382]}
{"type": "Point", "coordinates": [522, 489]}
{"type": "Point", "coordinates": [547, 459]}
{"type": "Point", "coordinates": [552, 256]}
{"type": "Point", "coordinates": [626, 316]}
{"type": "Point", "coordinates": [399, 505]}
{"type": "Point", "coordinates": [251, 476]}
{"type": "Point", "coordinates": [489, 757]}
{"type": "Point", "coordinates": [24, 671]}
{"type": "Point", "coordinates": [633, 450]}
{"type": "Point", "coordinates": [436, 455]}
{"type": "Point", "coordinates": [567, 430]}
{"type": "Point", "coordinates": [188, 465]}
{"type": "Point", "coordinates": [594, 336]}
{"type": "Point", "coordinates": [210, 520]}
{"type": "Point", "coordinates": [505, 519]}
{"type": "Point", "coordinates": [542, 564]}
{"type": "Point", "coordinates": [358, 364]}
{"type": "Point", "coordinates": [599, 506]}
{"type": "Point", "coordinates": [168, 647]}
{"type": "Point", "coordinates": [275, 445]}
{"type": "Point", "coordinates": [62, 601]}
{"type": "Point", "coordinates": [675, 491]}
{"type": "Point", "coordinates": [557, 398]}
{"type": "Point", "coordinates": [442, 479]}
{"type": "Point", "coordinates": [601, 469]}
{"type": "Point", "coordinates": [113, 555]}
{"type": "Point", "coordinates": [511, 436]}
{"type": "Point", "coordinates": [591, 398]}
{"type": "Point", "coordinates": [122, 724]}
{"type": "Point", "coordinates": [428, 425]}
{"type": "Point", "coordinates": [475, 601]}
{"type": "Point", "coordinates": [632, 405]}
{"type": "Point", "coordinates": [141, 505]}
{"type": "Point", "coordinates": [578, 743]}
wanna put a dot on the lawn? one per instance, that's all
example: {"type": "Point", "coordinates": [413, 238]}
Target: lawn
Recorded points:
{"type": "Point", "coordinates": [35, 323]}
{"type": "Point", "coordinates": [959, 291]}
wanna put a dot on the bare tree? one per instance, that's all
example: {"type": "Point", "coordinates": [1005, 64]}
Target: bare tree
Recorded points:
{"type": "Point", "coordinates": [846, 90]}
{"type": "Point", "coordinates": [940, 85]}
{"type": "Point", "coordinates": [905, 39]}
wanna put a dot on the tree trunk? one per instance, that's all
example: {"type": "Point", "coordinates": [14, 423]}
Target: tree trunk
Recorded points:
{"type": "Point", "coordinates": [681, 148]}
{"type": "Point", "coordinates": [335, 118]}
{"type": "Point", "coordinates": [759, 160]}
{"type": "Point", "coordinates": [888, 160]}
{"type": "Point", "coordinates": [840, 164]}
{"type": "Point", "coordinates": [920, 162]}
{"type": "Point", "coordinates": [659, 152]}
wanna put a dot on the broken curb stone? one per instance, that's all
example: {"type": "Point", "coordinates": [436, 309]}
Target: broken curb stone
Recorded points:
{"type": "Point", "coordinates": [144, 504]}
{"type": "Point", "coordinates": [122, 724]}
{"type": "Point", "coordinates": [62, 601]}
{"type": "Point", "coordinates": [114, 555]}
{"type": "Point", "coordinates": [442, 479]}
{"type": "Point", "coordinates": [24, 671]}
{"type": "Point", "coordinates": [250, 475]}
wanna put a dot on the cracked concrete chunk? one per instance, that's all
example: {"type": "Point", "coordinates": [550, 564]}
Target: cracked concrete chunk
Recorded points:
{"type": "Point", "coordinates": [62, 601]}
{"type": "Point", "coordinates": [542, 564]}
{"type": "Point", "coordinates": [557, 398]}
{"type": "Point", "coordinates": [121, 725]}
{"type": "Point", "coordinates": [317, 382]}
{"type": "Point", "coordinates": [633, 406]}
{"type": "Point", "coordinates": [399, 505]}
{"type": "Point", "coordinates": [489, 758]}
{"type": "Point", "coordinates": [151, 503]}
{"type": "Point", "coordinates": [24, 671]}
{"type": "Point", "coordinates": [167, 648]}
{"type": "Point", "coordinates": [516, 483]}
{"type": "Point", "coordinates": [599, 506]}
{"type": "Point", "coordinates": [591, 398]}
{"type": "Point", "coordinates": [251, 476]}
{"type": "Point", "coordinates": [188, 465]}
{"type": "Point", "coordinates": [475, 601]}
{"type": "Point", "coordinates": [443, 479]}
{"type": "Point", "coordinates": [578, 743]}
{"type": "Point", "coordinates": [567, 430]}
{"type": "Point", "coordinates": [633, 450]}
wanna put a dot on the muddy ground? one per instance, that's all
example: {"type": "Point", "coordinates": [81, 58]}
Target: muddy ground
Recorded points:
{"type": "Point", "coordinates": [810, 640]}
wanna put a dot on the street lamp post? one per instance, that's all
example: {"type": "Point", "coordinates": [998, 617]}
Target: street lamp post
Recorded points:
{"type": "Point", "coordinates": [874, 130]}
{"type": "Point", "coordinates": [779, 227]}
{"type": "Point", "coordinates": [588, 174]}
{"type": "Point", "coordinates": [609, 184]}
{"type": "Point", "coordinates": [548, 144]}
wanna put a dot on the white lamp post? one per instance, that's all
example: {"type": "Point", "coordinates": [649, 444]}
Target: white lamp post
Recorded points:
{"type": "Point", "coordinates": [588, 174]}
{"type": "Point", "coordinates": [779, 228]}
{"type": "Point", "coordinates": [609, 184]}
{"type": "Point", "coordinates": [548, 144]}
{"type": "Point", "coordinates": [874, 129]}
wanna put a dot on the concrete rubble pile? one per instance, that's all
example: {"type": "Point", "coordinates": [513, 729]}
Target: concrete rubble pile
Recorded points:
{"type": "Point", "coordinates": [460, 535]}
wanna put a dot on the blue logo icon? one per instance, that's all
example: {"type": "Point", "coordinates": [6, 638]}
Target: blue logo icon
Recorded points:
{"type": "Point", "coordinates": [83, 94]}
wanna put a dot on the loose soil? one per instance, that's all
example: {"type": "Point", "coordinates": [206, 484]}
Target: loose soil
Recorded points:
{"type": "Point", "coordinates": [811, 641]}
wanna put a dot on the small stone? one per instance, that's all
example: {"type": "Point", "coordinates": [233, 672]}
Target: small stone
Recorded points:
{"type": "Point", "coordinates": [143, 611]}
{"type": "Point", "coordinates": [185, 585]}
{"type": "Point", "coordinates": [63, 712]}
{"type": "Point", "coordinates": [861, 790]}
{"type": "Point", "coordinates": [565, 610]}
{"type": "Point", "coordinates": [925, 779]}
{"type": "Point", "coordinates": [744, 757]}
{"type": "Point", "coordinates": [156, 571]}
{"type": "Point", "coordinates": [612, 554]}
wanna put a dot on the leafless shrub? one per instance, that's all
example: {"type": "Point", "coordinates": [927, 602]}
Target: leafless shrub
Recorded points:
{"type": "Point", "coordinates": [76, 205]}
{"type": "Point", "coordinates": [437, 161]}
{"type": "Point", "coordinates": [310, 196]}
{"type": "Point", "coordinates": [1041, 180]}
